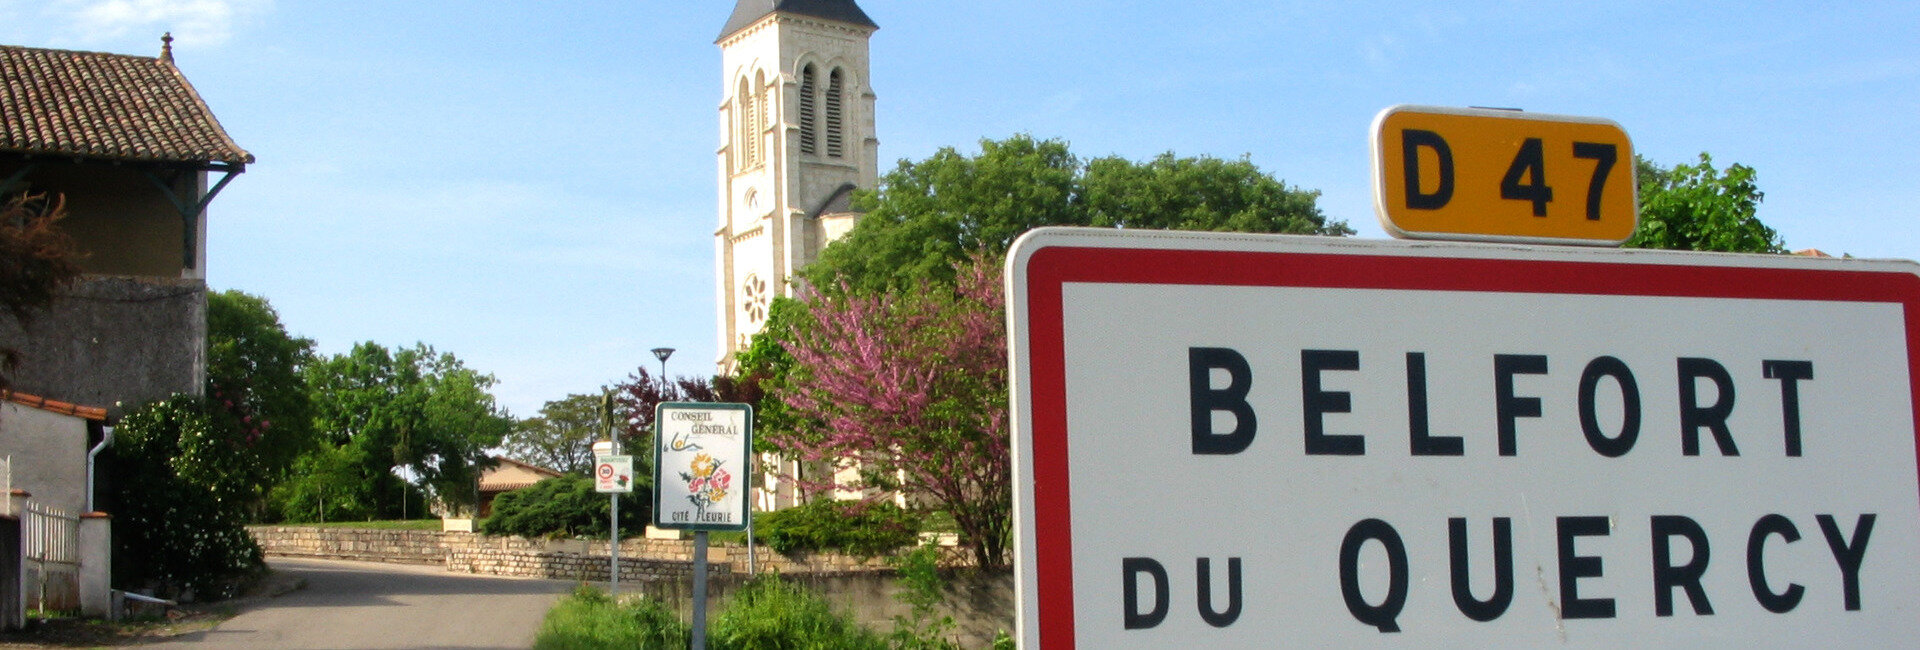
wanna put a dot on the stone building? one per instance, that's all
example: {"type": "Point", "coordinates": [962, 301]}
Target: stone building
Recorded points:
{"type": "Point", "coordinates": [129, 147]}
{"type": "Point", "coordinates": [129, 144]}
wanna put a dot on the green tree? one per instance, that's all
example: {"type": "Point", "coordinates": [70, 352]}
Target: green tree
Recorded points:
{"type": "Point", "coordinates": [928, 216]}
{"type": "Point", "coordinates": [415, 409]}
{"type": "Point", "coordinates": [327, 485]}
{"type": "Point", "coordinates": [1696, 207]}
{"type": "Point", "coordinates": [562, 436]}
{"type": "Point", "coordinates": [36, 261]}
{"type": "Point", "coordinates": [256, 386]}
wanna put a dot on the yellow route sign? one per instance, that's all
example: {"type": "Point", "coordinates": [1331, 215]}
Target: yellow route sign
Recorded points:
{"type": "Point", "coordinates": [1498, 175]}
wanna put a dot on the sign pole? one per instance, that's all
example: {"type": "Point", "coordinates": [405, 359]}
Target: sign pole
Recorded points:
{"type": "Point", "coordinates": [613, 549]}
{"type": "Point", "coordinates": [700, 590]}
{"type": "Point", "coordinates": [698, 449]}
{"type": "Point", "coordinates": [613, 498]}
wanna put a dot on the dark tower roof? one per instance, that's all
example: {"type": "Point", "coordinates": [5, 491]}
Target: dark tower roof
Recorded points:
{"type": "Point", "coordinates": [747, 12]}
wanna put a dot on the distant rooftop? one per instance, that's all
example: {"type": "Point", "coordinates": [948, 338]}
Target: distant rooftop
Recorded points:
{"type": "Point", "coordinates": [108, 107]}
{"type": "Point", "coordinates": [747, 12]}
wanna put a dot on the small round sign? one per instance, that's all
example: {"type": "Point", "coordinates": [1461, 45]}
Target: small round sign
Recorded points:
{"type": "Point", "coordinates": [606, 470]}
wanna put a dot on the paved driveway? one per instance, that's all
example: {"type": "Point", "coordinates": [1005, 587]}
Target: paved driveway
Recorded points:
{"type": "Point", "coordinates": [373, 605]}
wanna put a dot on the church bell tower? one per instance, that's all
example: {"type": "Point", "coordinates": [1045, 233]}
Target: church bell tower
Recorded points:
{"type": "Point", "coordinates": [796, 137]}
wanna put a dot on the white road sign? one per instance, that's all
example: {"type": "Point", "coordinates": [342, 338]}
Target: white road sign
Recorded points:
{"type": "Point", "coordinates": [613, 474]}
{"type": "Point", "coordinates": [1251, 441]}
{"type": "Point", "coordinates": [702, 465]}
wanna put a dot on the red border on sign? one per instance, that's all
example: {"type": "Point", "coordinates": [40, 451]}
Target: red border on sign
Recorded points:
{"type": "Point", "coordinates": [1051, 267]}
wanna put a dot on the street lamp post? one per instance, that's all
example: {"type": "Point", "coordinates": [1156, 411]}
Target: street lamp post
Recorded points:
{"type": "Point", "coordinates": [663, 353]}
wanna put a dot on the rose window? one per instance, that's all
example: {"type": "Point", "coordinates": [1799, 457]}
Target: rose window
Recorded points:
{"type": "Point", "coordinates": [755, 301]}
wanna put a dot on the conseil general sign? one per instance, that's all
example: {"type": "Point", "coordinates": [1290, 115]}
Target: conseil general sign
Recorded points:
{"type": "Point", "coordinates": [1244, 441]}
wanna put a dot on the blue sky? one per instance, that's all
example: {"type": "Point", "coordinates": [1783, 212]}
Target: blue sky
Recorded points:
{"type": "Point", "coordinates": [531, 185]}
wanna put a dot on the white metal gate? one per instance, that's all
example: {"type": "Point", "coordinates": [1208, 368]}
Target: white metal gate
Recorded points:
{"type": "Point", "coordinates": [53, 558]}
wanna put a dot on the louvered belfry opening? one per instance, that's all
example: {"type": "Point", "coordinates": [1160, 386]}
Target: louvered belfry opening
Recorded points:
{"type": "Point", "coordinates": [809, 119]}
{"type": "Point", "coordinates": [836, 115]}
{"type": "Point", "coordinates": [743, 135]}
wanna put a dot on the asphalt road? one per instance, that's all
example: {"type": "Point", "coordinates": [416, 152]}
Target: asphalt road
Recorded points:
{"type": "Point", "coordinates": [373, 605]}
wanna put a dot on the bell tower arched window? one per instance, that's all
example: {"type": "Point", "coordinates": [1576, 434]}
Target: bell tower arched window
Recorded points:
{"type": "Point", "coordinates": [809, 113]}
{"type": "Point", "coordinates": [743, 135]}
{"type": "Point", "coordinates": [762, 115]}
{"type": "Point", "coordinates": [836, 114]}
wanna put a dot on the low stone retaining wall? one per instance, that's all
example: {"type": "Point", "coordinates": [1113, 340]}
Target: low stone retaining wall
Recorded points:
{"type": "Point", "coordinates": [571, 559]}
{"type": "Point", "coordinates": [981, 604]}
{"type": "Point", "coordinates": [404, 546]}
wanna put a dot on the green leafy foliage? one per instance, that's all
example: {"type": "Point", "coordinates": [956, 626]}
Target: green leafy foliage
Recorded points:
{"type": "Point", "coordinates": [566, 506]}
{"type": "Point", "coordinates": [769, 612]}
{"type": "Point", "coordinates": [927, 216]}
{"type": "Point", "coordinates": [590, 620]}
{"type": "Point", "coordinates": [924, 590]}
{"type": "Point", "coordinates": [853, 527]}
{"type": "Point", "coordinates": [179, 508]}
{"type": "Point", "coordinates": [327, 485]}
{"type": "Point", "coordinates": [562, 436]}
{"type": "Point", "coordinates": [256, 388]}
{"type": "Point", "coordinates": [1696, 207]}
{"type": "Point", "coordinates": [415, 408]}
{"type": "Point", "coordinates": [766, 613]}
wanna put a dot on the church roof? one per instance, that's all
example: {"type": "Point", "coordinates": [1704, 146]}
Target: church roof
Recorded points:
{"type": "Point", "coordinates": [748, 12]}
{"type": "Point", "coordinates": [107, 106]}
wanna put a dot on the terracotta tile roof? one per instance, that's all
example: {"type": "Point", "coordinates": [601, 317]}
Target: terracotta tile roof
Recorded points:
{"type": "Point", "coordinates": [106, 106]}
{"type": "Point", "coordinates": [492, 481]}
{"type": "Point", "coordinates": [54, 406]}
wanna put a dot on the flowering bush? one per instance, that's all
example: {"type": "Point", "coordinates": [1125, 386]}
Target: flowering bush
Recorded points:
{"type": "Point", "coordinates": [911, 389]}
{"type": "Point", "coordinates": [178, 505]}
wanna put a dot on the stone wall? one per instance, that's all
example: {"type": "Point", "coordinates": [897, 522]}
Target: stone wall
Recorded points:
{"type": "Point", "coordinates": [404, 546]}
{"type": "Point", "coordinates": [519, 556]}
{"type": "Point", "coordinates": [981, 604]}
{"type": "Point", "coordinates": [115, 343]}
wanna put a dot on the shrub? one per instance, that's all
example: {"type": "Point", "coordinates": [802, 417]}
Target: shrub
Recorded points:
{"type": "Point", "coordinates": [590, 619]}
{"type": "Point", "coordinates": [925, 590]}
{"type": "Point", "coordinates": [769, 612]}
{"type": "Point", "coordinates": [179, 507]}
{"type": "Point", "coordinates": [565, 506]}
{"type": "Point", "coordinates": [859, 528]}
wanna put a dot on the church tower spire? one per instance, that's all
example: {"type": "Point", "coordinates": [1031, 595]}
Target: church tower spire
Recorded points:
{"type": "Point", "coordinates": [796, 138]}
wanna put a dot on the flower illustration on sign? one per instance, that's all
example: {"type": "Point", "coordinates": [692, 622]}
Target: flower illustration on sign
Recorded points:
{"type": "Point", "coordinates": [707, 484]}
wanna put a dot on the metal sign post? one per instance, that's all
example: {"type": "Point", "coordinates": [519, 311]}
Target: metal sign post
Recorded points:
{"type": "Point", "coordinates": [613, 474]}
{"type": "Point", "coordinates": [698, 448]}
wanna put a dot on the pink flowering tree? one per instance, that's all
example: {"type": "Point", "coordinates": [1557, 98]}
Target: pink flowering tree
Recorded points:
{"type": "Point", "coordinates": [910, 387]}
